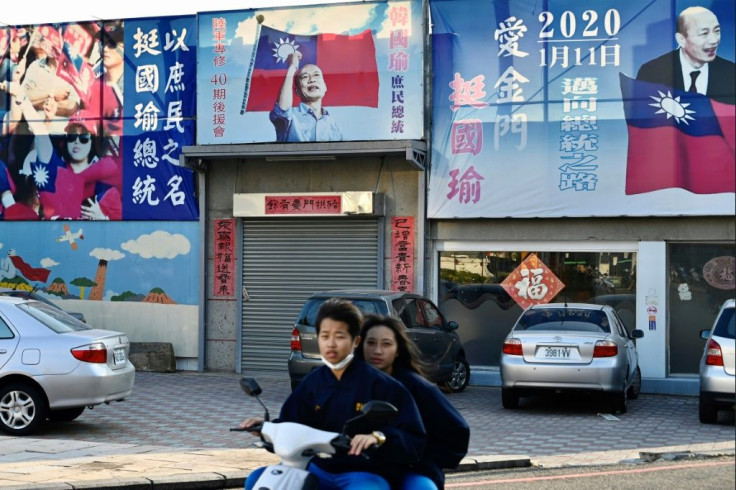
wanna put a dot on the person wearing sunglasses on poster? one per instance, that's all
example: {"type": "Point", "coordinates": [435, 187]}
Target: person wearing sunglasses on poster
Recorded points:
{"type": "Point", "coordinates": [72, 181]}
{"type": "Point", "coordinates": [385, 345]}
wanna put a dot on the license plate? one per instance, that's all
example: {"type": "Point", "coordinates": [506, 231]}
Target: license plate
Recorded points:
{"type": "Point", "coordinates": [118, 356]}
{"type": "Point", "coordinates": [556, 352]}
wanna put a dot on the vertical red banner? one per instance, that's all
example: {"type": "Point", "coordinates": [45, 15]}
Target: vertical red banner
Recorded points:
{"type": "Point", "coordinates": [224, 258]}
{"type": "Point", "coordinates": [402, 253]}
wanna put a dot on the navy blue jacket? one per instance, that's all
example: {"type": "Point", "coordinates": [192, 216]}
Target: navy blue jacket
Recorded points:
{"type": "Point", "coordinates": [326, 403]}
{"type": "Point", "coordinates": [447, 431]}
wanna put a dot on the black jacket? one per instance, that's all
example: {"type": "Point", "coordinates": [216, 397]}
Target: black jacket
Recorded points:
{"type": "Point", "coordinates": [667, 70]}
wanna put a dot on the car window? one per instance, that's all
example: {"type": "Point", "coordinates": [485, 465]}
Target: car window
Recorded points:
{"type": "Point", "coordinates": [620, 326]}
{"type": "Point", "coordinates": [5, 332]}
{"type": "Point", "coordinates": [726, 324]}
{"type": "Point", "coordinates": [431, 315]}
{"type": "Point", "coordinates": [570, 319]}
{"type": "Point", "coordinates": [407, 309]}
{"type": "Point", "coordinates": [309, 313]}
{"type": "Point", "coordinates": [53, 318]}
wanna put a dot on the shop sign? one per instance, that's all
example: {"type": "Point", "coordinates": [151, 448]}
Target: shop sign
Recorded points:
{"type": "Point", "coordinates": [720, 271]}
{"type": "Point", "coordinates": [301, 205]}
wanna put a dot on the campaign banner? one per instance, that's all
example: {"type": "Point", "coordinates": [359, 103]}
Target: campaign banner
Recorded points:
{"type": "Point", "coordinates": [344, 72]}
{"type": "Point", "coordinates": [95, 117]}
{"type": "Point", "coordinates": [582, 109]}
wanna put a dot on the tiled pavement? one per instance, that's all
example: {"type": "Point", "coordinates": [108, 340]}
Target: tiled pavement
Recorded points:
{"type": "Point", "coordinates": [177, 424]}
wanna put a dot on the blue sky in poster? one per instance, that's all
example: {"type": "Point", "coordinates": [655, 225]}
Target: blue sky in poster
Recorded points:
{"type": "Point", "coordinates": [357, 123]}
{"type": "Point", "coordinates": [515, 171]}
{"type": "Point", "coordinates": [141, 255]}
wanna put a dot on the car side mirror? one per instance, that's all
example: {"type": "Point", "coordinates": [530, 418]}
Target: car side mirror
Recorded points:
{"type": "Point", "coordinates": [704, 334]}
{"type": "Point", "coordinates": [637, 334]}
{"type": "Point", "coordinates": [452, 325]}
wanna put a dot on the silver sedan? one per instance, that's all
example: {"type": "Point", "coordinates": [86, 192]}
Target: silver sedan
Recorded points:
{"type": "Point", "coordinates": [575, 346]}
{"type": "Point", "coordinates": [53, 366]}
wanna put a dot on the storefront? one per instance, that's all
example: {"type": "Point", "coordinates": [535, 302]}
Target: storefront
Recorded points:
{"type": "Point", "coordinates": [553, 137]}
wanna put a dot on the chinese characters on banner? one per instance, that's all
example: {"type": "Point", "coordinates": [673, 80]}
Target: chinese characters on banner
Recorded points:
{"type": "Point", "coordinates": [532, 283]}
{"type": "Point", "coordinates": [224, 260]}
{"type": "Point", "coordinates": [303, 205]}
{"type": "Point", "coordinates": [398, 64]}
{"type": "Point", "coordinates": [536, 113]}
{"type": "Point", "coordinates": [160, 74]}
{"type": "Point", "coordinates": [402, 253]}
{"type": "Point", "coordinates": [219, 78]}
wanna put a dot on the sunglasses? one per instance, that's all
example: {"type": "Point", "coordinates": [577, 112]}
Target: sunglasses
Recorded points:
{"type": "Point", "coordinates": [83, 138]}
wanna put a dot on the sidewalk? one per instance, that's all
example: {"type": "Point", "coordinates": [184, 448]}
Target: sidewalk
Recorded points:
{"type": "Point", "coordinates": [173, 434]}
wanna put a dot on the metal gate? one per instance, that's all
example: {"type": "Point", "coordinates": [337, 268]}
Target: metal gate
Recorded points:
{"type": "Point", "coordinates": [286, 260]}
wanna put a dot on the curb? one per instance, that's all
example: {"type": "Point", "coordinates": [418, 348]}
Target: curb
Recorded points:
{"type": "Point", "coordinates": [236, 479]}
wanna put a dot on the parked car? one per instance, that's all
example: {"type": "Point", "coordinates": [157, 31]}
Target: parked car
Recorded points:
{"type": "Point", "coordinates": [437, 339]}
{"type": "Point", "coordinates": [19, 293]}
{"type": "Point", "coordinates": [575, 346]}
{"type": "Point", "coordinates": [717, 371]}
{"type": "Point", "coordinates": [53, 366]}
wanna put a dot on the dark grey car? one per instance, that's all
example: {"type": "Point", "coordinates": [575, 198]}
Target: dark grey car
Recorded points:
{"type": "Point", "coordinates": [436, 338]}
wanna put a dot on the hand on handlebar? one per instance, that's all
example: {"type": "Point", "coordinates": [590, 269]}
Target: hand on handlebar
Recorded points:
{"type": "Point", "coordinates": [361, 442]}
{"type": "Point", "coordinates": [252, 425]}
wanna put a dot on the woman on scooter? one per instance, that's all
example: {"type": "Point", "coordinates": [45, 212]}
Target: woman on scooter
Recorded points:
{"type": "Point", "coordinates": [385, 345]}
{"type": "Point", "coordinates": [334, 393]}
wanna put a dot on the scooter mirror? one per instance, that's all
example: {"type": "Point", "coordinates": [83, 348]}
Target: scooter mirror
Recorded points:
{"type": "Point", "coordinates": [374, 415]}
{"type": "Point", "coordinates": [250, 386]}
{"type": "Point", "coordinates": [379, 412]}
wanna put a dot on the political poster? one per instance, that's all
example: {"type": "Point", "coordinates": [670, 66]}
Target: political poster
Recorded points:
{"type": "Point", "coordinates": [576, 109]}
{"type": "Point", "coordinates": [95, 115]}
{"type": "Point", "coordinates": [345, 72]}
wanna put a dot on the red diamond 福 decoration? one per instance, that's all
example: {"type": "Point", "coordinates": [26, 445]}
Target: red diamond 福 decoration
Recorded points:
{"type": "Point", "coordinates": [532, 283]}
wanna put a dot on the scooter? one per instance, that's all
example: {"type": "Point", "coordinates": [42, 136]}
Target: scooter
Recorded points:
{"type": "Point", "coordinates": [297, 444]}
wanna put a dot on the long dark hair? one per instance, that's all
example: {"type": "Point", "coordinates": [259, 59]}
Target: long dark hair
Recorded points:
{"type": "Point", "coordinates": [408, 357]}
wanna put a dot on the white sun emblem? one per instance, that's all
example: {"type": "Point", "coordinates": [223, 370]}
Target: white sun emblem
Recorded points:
{"type": "Point", "coordinates": [283, 49]}
{"type": "Point", "coordinates": [672, 107]}
{"type": "Point", "coordinates": [41, 176]}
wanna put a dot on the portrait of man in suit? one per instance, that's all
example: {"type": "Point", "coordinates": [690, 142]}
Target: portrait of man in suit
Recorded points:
{"type": "Point", "coordinates": [694, 66]}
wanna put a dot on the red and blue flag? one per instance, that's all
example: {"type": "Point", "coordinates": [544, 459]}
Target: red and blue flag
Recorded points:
{"type": "Point", "coordinates": [348, 64]}
{"type": "Point", "coordinates": [677, 140]}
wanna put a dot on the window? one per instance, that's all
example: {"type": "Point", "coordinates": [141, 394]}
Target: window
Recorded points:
{"type": "Point", "coordinates": [470, 291]}
{"type": "Point", "coordinates": [5, 332]}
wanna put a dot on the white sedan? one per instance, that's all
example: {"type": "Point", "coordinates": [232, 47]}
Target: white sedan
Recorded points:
{"type": "Point", "coordinates": [53, 366]}
{"type": "Point", "coordinates": [576, 346]}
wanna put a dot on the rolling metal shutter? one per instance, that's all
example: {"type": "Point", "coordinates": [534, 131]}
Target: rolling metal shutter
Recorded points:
{"type": "Point", "coordinates": [286, 260]}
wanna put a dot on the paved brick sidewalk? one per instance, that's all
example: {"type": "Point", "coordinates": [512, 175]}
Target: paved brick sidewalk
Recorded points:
{"type": "Point", "coordinates": [173, 430]}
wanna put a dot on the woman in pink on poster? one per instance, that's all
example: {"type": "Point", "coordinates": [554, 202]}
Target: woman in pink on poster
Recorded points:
{"type": "Point", "coordinates": [72, 182]}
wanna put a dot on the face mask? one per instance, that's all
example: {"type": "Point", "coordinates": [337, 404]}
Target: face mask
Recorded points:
{"type": "Point", "coordinates": [341, 364]}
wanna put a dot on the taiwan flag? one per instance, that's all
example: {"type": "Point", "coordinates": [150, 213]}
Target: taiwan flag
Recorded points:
{"type": "Point", "coordinates": [348, 64]}
{"type": "Point", "coordinates": [677, 139]}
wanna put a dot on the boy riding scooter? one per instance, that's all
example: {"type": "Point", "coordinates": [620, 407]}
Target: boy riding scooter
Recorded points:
{"type": "Point", "coordinates": [334, 393]}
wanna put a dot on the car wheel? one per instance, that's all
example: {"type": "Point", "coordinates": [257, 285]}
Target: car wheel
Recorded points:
{"type": "Point", "coordinates": [65, 414]}
{"type": "Point", "coordinates": [618, 401]}
{"type": "Point", "coordinates": [707, 411]}
{"type": "Point", "coordinates": [22, 409]}
{"type": "Point", "coordinates": [635, 387]}
{"type": "Point", "coordinates": [460, 376]}
{"type": "Point", "coordinates": [509, 398]}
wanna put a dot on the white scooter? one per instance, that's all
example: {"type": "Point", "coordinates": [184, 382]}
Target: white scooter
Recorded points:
{"type": "Point", "coordinates": [297, 444]}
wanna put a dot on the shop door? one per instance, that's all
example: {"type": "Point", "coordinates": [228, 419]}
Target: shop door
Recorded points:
{"type": "Point", "coordinates": [286, 260]}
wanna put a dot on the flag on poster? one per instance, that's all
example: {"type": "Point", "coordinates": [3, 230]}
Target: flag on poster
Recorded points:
{"type": "Point", "coordinates": [30, 273]}
{"type": "Point", "coordinates": [348, 63]}
{"type": "Point", "coordinates": [677, 140]}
